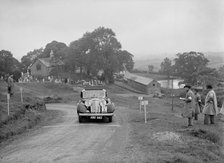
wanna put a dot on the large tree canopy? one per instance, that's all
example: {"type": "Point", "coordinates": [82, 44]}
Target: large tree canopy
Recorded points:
{"type": "Point", "coordinates": [166, 67]}
{"type": "Point", "coordinates": [205, 75]}
{"type": "Point", "coordinates": [126, 58]}
{"type": "Point", "coordinates": [8, 64]}
{"type": "Point", "coordinates": [99, 50]}
{"type": "Point", "coordinates": [187, 64]}
{"type": "Point", "coordinates": [6, 61]}
{"type": "Point", "coordinates": [58, 49]}
{"type": "Point", "coordinates": [221, 72]}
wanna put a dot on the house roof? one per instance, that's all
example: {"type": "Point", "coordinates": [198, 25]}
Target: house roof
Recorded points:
{"type": "Point", "coordinates": [49, 62]}
{"type": "Point", "coordinates": [136, 78]}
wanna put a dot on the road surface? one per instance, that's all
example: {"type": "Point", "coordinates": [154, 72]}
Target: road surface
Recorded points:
{"type": "Point", "coordinates": [69, 141]}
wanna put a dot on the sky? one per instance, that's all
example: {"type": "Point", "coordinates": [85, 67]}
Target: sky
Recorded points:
{"type": "Point", "coordinates": [145, 28]}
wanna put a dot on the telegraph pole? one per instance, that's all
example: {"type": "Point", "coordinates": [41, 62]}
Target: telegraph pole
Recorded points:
{"type": "Point", "coordinates": [172, 93]}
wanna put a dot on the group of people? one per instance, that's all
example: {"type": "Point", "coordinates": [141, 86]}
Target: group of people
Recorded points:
{"type": "Point", "coordinates": [193, 105]}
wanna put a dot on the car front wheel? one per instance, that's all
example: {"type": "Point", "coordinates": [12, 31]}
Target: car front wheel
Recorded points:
{"type": "Point", "coordinates": [110, 119]}
{"type": "Point", "coordinates": [80, 119]}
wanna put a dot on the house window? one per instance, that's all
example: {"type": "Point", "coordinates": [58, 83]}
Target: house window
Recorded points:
{"type": "Point", "coordinates": [38, 67]}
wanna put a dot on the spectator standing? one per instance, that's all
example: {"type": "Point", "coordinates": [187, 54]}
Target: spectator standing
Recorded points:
{"type": "Point", "coordinates": [10, 85]}
{"type": "Point", "coordinates": [210, 108]}
{"type": "Point", "coordinates": [198, 104]}
{"type": "Point", "coordinates": [189, 104]}
{"type": "Point", "coordinates": [222, 108]}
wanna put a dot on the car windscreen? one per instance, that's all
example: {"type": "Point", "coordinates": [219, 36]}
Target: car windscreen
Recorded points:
{"type": "Point", "coordinates": [93, 94]}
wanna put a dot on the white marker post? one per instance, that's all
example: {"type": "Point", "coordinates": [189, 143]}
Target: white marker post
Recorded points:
{"type": "Point", "coordinates": [145, 103]}
{"type": "Point", "coordinates": [8, 97]}
{"type": "Point", "coordinates": [21, 93]}
{"type": "Point", "coordinates": [140, 103]}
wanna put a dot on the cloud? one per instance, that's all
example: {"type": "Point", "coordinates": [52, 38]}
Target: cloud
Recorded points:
{"type": "Point", "coordinates": [143, 27]}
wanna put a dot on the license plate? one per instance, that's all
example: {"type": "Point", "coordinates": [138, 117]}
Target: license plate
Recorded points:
{"type": "Point", "coordinates": [96, 117]}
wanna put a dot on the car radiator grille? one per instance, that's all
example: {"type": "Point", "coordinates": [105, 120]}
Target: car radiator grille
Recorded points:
{"type": "Point", "coordinates": [95, 107]}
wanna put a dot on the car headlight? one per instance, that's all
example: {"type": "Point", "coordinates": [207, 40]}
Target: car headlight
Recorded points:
{"type": "Point", "coordinates": [87, 103]}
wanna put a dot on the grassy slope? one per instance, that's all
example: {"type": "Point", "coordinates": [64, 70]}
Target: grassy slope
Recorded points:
{"type": "Point", "coordinates": [66, 92]}
{"type": "Point", "coordinates": [197, 144]}
{"type": "Point", "coordinates": [156, 141]}
{"type": "Point", "coordinates": [21, 117]}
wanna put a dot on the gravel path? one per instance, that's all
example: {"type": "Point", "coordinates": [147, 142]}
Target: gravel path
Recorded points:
{"type": "Point", "coordinates": [69, 141]}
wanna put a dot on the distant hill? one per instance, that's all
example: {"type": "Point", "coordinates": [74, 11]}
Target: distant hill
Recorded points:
{"type": "Point", "coordinates": [143, 64]}
{"type": "Point", "coordinates": [216, 60]}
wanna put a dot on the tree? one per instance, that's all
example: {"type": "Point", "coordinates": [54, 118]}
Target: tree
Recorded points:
{"type": "Point", "coordinates": [99, 50]}
{"type": "Point", "coordinates": [79, 53]}
{"type": "Point", "coordinates": [58, 48]}
{"type": "Point", "coordinates": [106, 48]}
{"type": "Point", "coordinates": [125, 57]}
{"type": "Point", "coordinates": [106, 51]}
{"type": "Point", "coordinates": [150, 68]}
{"type": "Point", "coordinates": [221, 72]}
{"type": "Point", "coordinates": [8, 64]}
{"type": "Point", "coordinates": [188, 63]}
{"type": "Point", "coordinates": [166, 67]}
{"type": "Point", "coordinates": [204, 76]}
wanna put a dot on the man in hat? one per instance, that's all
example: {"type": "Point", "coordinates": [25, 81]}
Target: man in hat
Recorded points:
{"type": "Point", "coordinates": [189, 104]}
{"type": "Point", "coordinates": [198, 104]}
{"type": "Point", "coordinates": [210, 108]}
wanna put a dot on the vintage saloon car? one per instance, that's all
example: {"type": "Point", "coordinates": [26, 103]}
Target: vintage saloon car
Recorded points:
{"type": "Point", "coordinates": [95, 104]}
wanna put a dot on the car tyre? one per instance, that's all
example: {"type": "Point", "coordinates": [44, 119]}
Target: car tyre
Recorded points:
{"type": "Point", "coordinates": [80, 119]}
{"type": "Point", "coordinates": [110, 119]}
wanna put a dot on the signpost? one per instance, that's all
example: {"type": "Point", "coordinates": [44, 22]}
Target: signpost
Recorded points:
{"type": "Point", "coordinates": [21, 93]}
{"type": "Point", "coordinates": [172, 94]}
{"type": "Point", "coordinates": [140, 103]}
{"type": "Point", "coordinates": [145, 102]}
{"type": "Point", "coordinates": [8, 97]}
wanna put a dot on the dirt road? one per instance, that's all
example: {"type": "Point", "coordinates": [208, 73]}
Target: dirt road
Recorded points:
{"type": "Point", "coordinates": [69, 141]}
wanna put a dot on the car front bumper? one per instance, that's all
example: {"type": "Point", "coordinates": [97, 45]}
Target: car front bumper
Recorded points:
{"type": "Point", "coordinates": [95, 114]}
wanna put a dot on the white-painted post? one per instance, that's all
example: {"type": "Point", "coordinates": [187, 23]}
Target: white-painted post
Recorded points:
{"type": "Point", "coordinates": [145, 114]}
{"type": "Point", "coordinates": [21, 93]}
{"type": "Point", "coordinates": [144, 103]}
{"type": "Point", "coordinates": [140, 107]}
{"type": "Point", "coordinates": [172, 94]}
{"type": "Point", "coordinates": [140, 103]}
{"type": "Point", "coordinates": [8, 97]}
{"type": "Point", "coordinates": [145, 111]}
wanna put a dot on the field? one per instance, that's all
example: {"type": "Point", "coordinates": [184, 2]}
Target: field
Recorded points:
{"type": "Point", "coordinates": [153, 76]}
{"type": "Point", "coordinates": [164, 138]}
